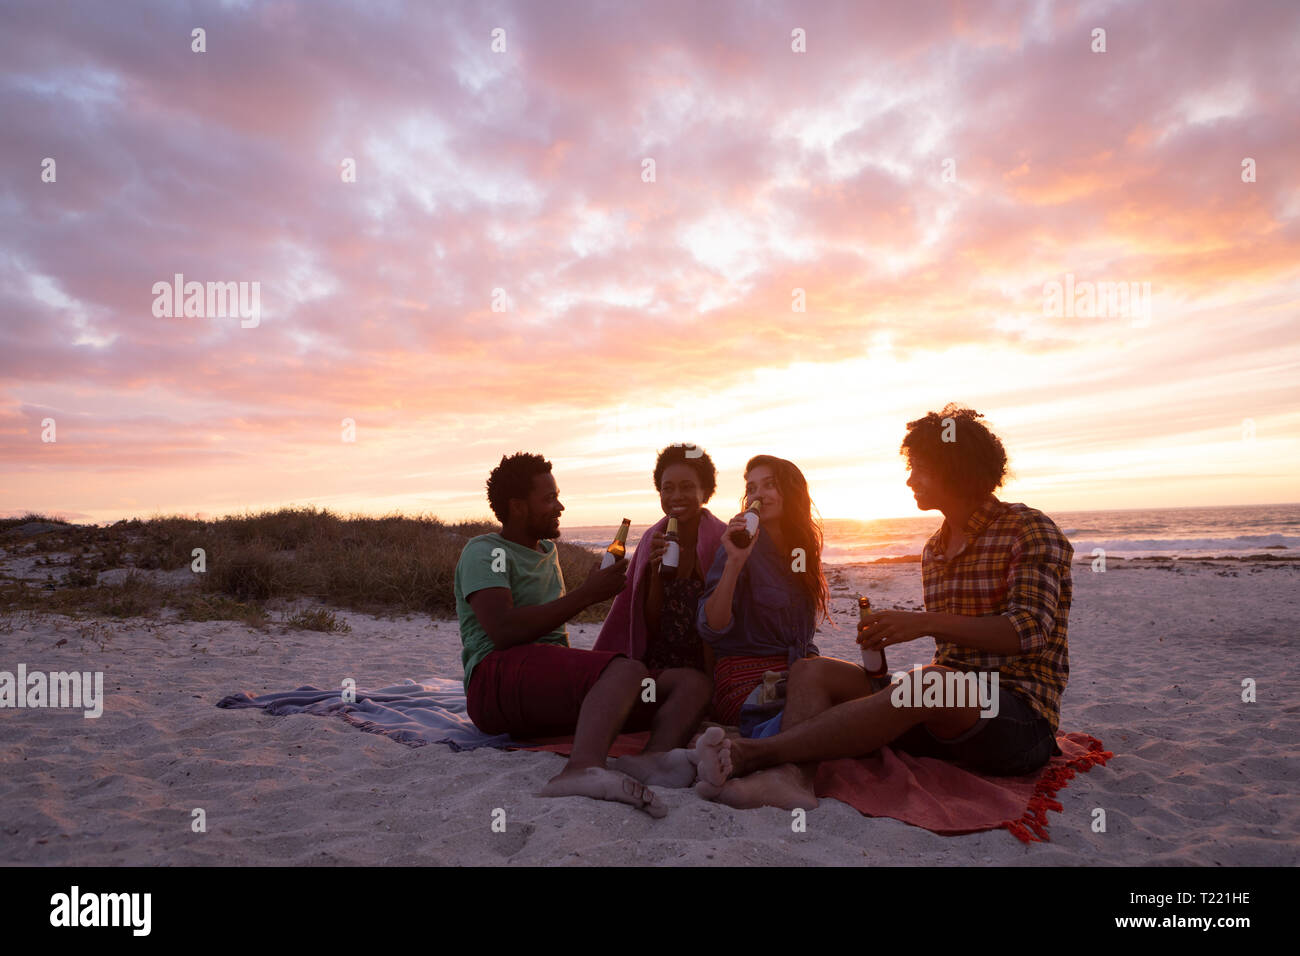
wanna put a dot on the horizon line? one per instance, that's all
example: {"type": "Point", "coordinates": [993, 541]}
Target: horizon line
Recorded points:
{"type": "Point", "coordinates": [492, 520]}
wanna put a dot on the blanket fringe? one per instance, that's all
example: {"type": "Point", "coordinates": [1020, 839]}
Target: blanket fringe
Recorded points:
{"type": "Point", "coordinates": [372, 727]}
{"type": "Point", "coordinates": [1032, 825]}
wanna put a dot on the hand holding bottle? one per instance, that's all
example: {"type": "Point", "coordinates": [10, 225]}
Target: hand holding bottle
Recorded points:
{"type": "Point", "coordinates": [672, 555]}
{"type": "Point", "coordinates": [735, 528]}
{"type": "Point", "coordinates": [879, 629]}
{"type": "Point", "coordinates": [605, 582]}
{"type": "Point", "coordinates": [658, 545]}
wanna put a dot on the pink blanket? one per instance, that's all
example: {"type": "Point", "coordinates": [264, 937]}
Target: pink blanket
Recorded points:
{"type": "Point", "coordinates": [930, 793]}
{"type": "Point", "coordinates": [624, 630]}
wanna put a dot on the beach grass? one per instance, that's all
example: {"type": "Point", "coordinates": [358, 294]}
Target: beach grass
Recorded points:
{"type": "Point", "coordinates": [392, 564]}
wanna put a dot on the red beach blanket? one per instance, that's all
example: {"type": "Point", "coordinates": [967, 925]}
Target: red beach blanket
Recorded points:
{"type": "Point", "coordinates": [933, 794]}
{"type": "Point", "coordinates": [949, 800]}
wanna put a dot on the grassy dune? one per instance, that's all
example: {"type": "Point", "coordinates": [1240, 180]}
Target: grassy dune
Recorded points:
{"type": "Point", "coordinates": [393, 564]}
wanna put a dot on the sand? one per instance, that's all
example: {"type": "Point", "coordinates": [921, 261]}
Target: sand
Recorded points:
{"type": "Point", "coordinates": [1157, 658]}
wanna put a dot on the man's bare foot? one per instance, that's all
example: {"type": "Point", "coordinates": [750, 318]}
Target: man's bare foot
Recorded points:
{"type": "Point", "coordinates": [785, 786]}
{"type": "Point", "coordinates": [713, 762]}
{"type": "Point", "coordinates": [601, 784]}
{"type": "Point", "coordinates": [673, 769]}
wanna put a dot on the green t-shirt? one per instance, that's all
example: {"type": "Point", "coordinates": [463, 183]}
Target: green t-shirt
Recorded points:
{"type": "Point", "coordinates": [533, 577]}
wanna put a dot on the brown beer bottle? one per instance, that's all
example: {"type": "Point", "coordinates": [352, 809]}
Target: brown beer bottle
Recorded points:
{"type": "Point", "coordinates": [872, 661]}
{"type": "Point", "coordinates": [618, 547]}
{"type": "Point", "coordinates": [741, 539]}
{"type": "Point", "coordinates": [672, 558]}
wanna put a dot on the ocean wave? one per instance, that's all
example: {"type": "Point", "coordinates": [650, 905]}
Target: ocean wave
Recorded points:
{"type": "Point", "coordinates": [1244, 542]}
{"type": "Point", "coordinates": [849, 545]}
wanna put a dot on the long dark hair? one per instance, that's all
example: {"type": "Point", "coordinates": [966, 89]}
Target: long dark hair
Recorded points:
{"type": "Point", "coordinates": [801, 527]}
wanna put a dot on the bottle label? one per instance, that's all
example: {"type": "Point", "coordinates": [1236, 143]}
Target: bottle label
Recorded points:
{"type": "Point", "coordinates": [606, 561]}
{"type": "Point", "coordinates": [751, 522]}
{"type": "Point", "coordinates": [873, 661]}
{"type": "Point", "coordinates": [672, 556]}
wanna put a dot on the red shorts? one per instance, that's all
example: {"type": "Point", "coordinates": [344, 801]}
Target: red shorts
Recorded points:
{"type": "Point", "coordinates": [537, 690]}
{"type": "Point", "coordinates": [734, 679]}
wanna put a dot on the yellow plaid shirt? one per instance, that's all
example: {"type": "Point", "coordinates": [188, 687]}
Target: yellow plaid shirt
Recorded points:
{"type": "Point", "coordinates": [1016, 562]}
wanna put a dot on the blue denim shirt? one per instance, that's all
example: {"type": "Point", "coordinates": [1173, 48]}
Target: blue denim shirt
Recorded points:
{"type": "Point", "coordinates": [770, 614]}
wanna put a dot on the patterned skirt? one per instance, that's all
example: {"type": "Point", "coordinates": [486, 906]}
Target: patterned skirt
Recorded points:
{"type": "Point", "coordinates": [734, 678]}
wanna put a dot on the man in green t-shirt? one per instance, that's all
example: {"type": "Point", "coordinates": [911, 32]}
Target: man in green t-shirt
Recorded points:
{"type": "Point", "coordinates": [523, 678]}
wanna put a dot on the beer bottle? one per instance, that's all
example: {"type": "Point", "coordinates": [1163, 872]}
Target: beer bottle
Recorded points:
{"type": "Point", "coordinates": [618, 547]}
{"type": "Point", "coordinates": [872, 661]}
{"type": "Point", "coordinates": [672, 555]}
{"type": "Point", "coordinates": [741, 539]}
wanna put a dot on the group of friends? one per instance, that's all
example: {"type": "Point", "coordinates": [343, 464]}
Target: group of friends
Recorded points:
{"type": "Point", "coordinates": [678, 651]}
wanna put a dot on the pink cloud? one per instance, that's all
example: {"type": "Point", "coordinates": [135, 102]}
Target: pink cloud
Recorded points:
{"type": "Point", "coordinates": [521, 171]}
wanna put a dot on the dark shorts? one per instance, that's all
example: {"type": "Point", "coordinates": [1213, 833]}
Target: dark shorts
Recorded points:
{"type": "Point", "coordinates": [537, 690]}
{"type": "Point", "coordinates": [1015, 742]}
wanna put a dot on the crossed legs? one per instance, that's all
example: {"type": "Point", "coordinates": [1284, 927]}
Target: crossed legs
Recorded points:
{"type": "Point", "coordinates": [831, 713]}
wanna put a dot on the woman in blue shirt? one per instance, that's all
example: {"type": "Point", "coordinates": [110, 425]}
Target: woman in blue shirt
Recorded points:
{"type": "Point", "coordinates": [761, 604]}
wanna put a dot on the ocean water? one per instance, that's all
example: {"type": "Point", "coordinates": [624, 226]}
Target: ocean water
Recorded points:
{"type": "Point", "coordinates": [1232, 531]}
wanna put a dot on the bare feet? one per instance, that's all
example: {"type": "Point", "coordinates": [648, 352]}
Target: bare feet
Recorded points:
{"type": "Point", "coordinates": [713, 762]}
{"type": "Point", "coordinates": [601, 784]}
{"type": "Point", "coordinates": [673, 769]}
{"type": "Point", "coordinates": [721, 777]}
{"type": "Point", "coordinates": [785, 786]}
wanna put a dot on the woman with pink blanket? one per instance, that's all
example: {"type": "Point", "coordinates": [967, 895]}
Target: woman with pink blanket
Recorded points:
{"type": "Point", "coordinates": [653, 620]}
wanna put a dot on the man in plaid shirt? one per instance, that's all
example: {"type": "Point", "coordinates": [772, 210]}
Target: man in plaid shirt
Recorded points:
{"type": "Point", "coordinates": [997, 596]}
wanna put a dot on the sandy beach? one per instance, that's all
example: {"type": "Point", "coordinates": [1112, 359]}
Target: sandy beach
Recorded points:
{"type": "Point", "coordinates": [1158, 654]}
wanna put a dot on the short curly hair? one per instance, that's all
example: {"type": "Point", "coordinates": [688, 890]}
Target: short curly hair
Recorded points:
{"type": "Point", "coordinates": [513, 478]}
{"type": "Point", "coordinates": [971, 460]}
{"type": "Point", "coordinates": [698, 460]}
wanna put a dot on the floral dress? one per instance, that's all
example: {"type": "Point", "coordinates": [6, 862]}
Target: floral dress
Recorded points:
{"type": "Point", "coordinates": [676, 642]}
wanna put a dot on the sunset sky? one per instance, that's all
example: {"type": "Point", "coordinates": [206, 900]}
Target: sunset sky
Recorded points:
{"type": "Point", "coordinates": [640, 313]}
